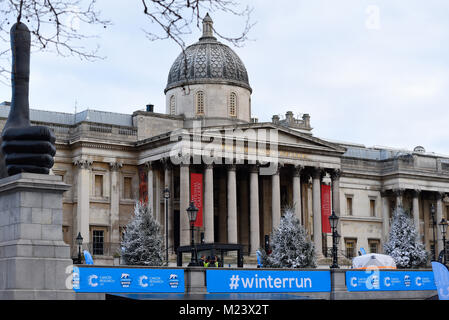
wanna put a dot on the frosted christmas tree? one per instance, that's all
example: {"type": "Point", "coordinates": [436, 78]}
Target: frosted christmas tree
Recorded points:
{"type": "Point", "coordinates": [142, 241]}
{"type": "Point", "coordinates": [290, 245]}
{"type": "Point", "coordinates": [403, 244]}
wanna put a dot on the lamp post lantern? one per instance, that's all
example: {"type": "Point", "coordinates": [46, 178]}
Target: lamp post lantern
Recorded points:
{"type": "Point", "coordinates": [79, 242]}
{"type": "Point", "coordinates": [432, 214]}
{"type": "Point", "coordinates": [443, 229]}
{"type": "Point", "coordinates": [166, 197]}
{"type": "Point", "coordinates": [192, 212]}
{"type": "Point", "coordinates": [333, 220]}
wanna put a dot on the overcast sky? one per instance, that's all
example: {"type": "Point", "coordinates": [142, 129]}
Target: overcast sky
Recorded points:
{"type": "Point", "coordinates": [370, 72]}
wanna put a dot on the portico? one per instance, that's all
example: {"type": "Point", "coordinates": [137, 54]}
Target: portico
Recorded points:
{"type": "Point", "coordinates": [243, 197]}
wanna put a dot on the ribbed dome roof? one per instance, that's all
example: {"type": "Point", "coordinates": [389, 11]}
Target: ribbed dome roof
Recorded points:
{"type": "Point", "coordinates": [207, 61]}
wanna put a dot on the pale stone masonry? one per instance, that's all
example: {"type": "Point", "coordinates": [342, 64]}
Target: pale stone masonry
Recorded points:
{"type": "Point", "coordinates": [33, 256]}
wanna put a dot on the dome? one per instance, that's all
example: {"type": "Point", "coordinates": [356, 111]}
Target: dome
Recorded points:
{"type": "Point", "coordinates": [208, 61]}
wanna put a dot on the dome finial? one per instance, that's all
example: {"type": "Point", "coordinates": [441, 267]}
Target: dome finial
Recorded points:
{"type": "Point", "coordinates": [208, 31]}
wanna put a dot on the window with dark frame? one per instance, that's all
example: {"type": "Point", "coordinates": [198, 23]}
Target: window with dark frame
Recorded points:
{"type": "Point", "coordinates": [350, 248]}
{"type": "Point", "coordinates": [98, 192]}
{"type": "Point", "coordinates": [97, 242]}
{"type": "Point", "coordinates": [127, 188]}
{"type": "Point", "coordinates": [372, 207]}
{"type": "Point", "coordinates": [349, 211]}
{"type": "Point", "coordinates": [374, 245]}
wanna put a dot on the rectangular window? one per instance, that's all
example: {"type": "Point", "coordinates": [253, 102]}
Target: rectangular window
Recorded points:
{"type": "Point", "coordinates": [98, 192]}
{"type": "Point", "coordinates": [127, 188]}
{"type": "Point", "coordinates": [372, 207]}
{"type": "Point", "coordinates": [349, 206]}
{"type": "Point", "coordinates": [97, 242]}
{"type": "Point", "coordinates": [350, 248]}
{"type": "Point", "coordinates": [374, 245]}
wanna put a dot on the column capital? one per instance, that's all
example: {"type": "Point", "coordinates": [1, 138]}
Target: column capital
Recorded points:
{"type": "Point", "coordinates": [384, 193]}
{"type": "Point", "coordinates": [416, 192]}
{"type": "Point", "coordinates": [316, 172]}
{"type": "Point", "coordinates": [297, 170]}
{"type": "Point", "coordinates": [278, 167]}
{"type": "Point", "coordinates": [209, 166]}
{"type": "Point", "coordinates": [439, 195]}
{"type": "Point", "coordinates": [231, 167]}
{"type": "Point", "coordinates": [166, 163]}
{"type": "Point", "coordinates": [335, 174]}
{"type": "Point", "coordinates": [149, 165]}
{"type": "Point", "coordinates": [399, 191]}
{"type": "Point", "coordinates": [254, 168]}
{"type": "Point", "coordinates": [115, 166]}
{"type": "Point", "coordinates": [83, 163]}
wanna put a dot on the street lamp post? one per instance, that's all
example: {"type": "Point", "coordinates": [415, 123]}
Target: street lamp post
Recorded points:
{"type": "Point", "coordinates": [79, 242]}
{"type": "Point", "coordinates": [166, 197]}
{"type": "Point", "coordinates": [432, 214]}
{"type": "Point", "coordinates": [192, 212]}
{"type": "Point", "coordinates": [443, 228]}
{"type": "Point", "coordinates": [333, 219]}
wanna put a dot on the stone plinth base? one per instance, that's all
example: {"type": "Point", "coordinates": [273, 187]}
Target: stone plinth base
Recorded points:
{"type": "Point", "coordinates": [34, 260]}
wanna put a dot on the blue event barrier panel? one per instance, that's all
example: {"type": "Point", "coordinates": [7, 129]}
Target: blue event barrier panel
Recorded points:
{"type": "Point", "coordinates": [376, 280]}
{"type": "Point", "coordinates": [234, 281]}
{"type": "Point", "coordinates": [129, 280]}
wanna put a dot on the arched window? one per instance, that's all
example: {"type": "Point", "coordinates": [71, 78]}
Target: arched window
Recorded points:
{"type": "Point", "coordinates": [233, 104]}
{"type": "Point", "coordinates": [172, 105]}
{"type": "Point", "coordinates": [199, 103]}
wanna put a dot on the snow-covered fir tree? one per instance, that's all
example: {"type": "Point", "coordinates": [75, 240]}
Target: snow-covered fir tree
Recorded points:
{"type": "Point", "coordinates": [404, 245]}
{"type": "Point", "coordinates": [290, 246]}
{"type": "Point", "coordinates": [142, 240]}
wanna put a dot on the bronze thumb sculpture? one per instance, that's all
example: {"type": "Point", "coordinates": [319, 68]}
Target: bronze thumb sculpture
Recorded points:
{"type": "Point", "coordinates": [26, 148]}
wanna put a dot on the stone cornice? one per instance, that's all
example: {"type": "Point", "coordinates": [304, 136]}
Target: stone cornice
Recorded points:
{"type": "Point", "coordinates": [29, 181]}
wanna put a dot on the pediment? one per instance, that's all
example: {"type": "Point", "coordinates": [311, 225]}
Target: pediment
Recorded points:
{"type": "Point", "coordinates": [291, 138]}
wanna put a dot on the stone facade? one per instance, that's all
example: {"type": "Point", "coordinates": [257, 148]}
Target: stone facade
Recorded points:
{"type": "Point", "coordinates": [250, 171]}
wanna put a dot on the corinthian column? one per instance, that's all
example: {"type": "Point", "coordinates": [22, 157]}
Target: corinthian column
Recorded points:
{"type": "Point", "coordinates": [115, 201]}
{"type": "Point", "coordinates": [150, 187]}
{"type": "Point", "coordinates": [439, 216]}
{"type": "Point", "coordinates": [184, 198]}
{"type": "Point", "coordinates": [275, 199]}
{"type": "Point", "coordinates": [209, 203]}
{"type": "Point", "coordinates": [335, 176]}
{"type": "Point", "coordinates": [385, 216]}
{"type": "Point", "coordinates": [297, 192]}
{"type": "Point", "coordinates": [416, 210]}
{"type": "Point", "coordinates": [232, 205]}
{"type": "Point", "coordinates": [316, 209]}
{"type": "Point", "coordinates": [168, 184]}
{"type": "Point", "coordinates": [83, 198]}
{"type": "Point", "coordinates": [254, 210]}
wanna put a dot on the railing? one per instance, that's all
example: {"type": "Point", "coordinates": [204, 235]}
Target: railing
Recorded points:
{"type": "Point", "coordinates": [106, 249]}
{"type": "Point", "coordinates": [327, 252]}
{"type": "Point", "coordinates": [90, 129]}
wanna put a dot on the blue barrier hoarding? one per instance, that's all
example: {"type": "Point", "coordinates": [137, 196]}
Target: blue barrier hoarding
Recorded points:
{"type": "Point", "coordinates": [129, 280]}
{"type": "Point", "coordinates": [230, 281]}
{"type": "Point", "coordinates": [376, 280]}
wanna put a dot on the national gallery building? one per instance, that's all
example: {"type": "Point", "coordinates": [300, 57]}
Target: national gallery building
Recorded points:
{"type": "Point", "coordinates": [241, 173]}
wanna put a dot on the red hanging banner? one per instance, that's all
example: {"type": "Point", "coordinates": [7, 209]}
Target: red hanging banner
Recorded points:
{"type": "Point", "coordinates": [196, 194]}
{"type": "Point", "coordinates": [325, 208]}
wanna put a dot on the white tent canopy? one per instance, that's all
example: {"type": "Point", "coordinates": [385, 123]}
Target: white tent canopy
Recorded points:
{"type": "Point", "coordinates": [373, 260]}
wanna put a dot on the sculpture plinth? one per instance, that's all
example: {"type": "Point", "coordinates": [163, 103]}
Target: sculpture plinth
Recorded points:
{"type": "Point", "coordinates": [33, 256]}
